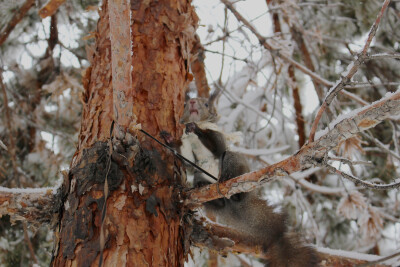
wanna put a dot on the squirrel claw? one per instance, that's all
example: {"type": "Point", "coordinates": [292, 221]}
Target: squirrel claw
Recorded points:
{"type": "Point", "coordinates": [190, 127]}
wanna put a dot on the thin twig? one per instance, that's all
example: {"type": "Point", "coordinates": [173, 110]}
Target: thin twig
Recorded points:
{"type": "Point", "coordinates": [373, 263]}
{"type": "Point", "coordinates": [361, 182]}
{"type": "Point", "coordinates": [358, 85]}
{"type": "Point", "coordinates": [311, 154]}
{"type": "Point", "coordinates": [349, 162]}
{"type": "Point", "coordinates": [18, 16]}
{"type": "Point", "coordinates": [223, 54]}
{"type": "Point", "coordinates": [351, 70]}
{"type": "Point", "coordinates": [275, 50]}
{"type": "Point", "coordinates": [383, 56]}
{"type": "Point", "coordinates": [380, 145]}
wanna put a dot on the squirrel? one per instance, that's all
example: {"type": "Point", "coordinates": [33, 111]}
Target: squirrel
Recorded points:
{"type": "Point", "coordinates": [203, 141]}
{"type": "Point", "coordinates": [244, 212]}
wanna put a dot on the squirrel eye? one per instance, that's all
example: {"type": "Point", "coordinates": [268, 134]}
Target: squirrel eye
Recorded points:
{"type": "Point", "coordinates": [206, 104]}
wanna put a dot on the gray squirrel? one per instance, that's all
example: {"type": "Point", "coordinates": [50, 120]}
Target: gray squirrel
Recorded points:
{"type": "Point", "coordinates": [244, 212]}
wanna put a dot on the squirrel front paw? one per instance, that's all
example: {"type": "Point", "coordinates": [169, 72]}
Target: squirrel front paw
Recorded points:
{"type": "Point", "coordinates": [190, 127]}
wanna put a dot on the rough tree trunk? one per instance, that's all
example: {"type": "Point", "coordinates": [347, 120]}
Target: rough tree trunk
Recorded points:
{"type": "Point", "coordinates": [142, 225]}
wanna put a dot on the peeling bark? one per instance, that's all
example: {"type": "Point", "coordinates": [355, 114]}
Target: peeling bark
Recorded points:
{"type": "Point", "coordinates": [142, 223]}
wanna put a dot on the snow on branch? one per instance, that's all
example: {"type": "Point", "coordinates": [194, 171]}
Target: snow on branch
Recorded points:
{"type": "Point", "coordinates": [361, 182]}
{"type": "Point", "coordinates": [349, 73]}
{"type": "Point", "coordinates": [311, 154]}
{"type": "Point", "coordinates": [35, 205]}
{"type": "Point", "coordinates": [224, 239]}
{"type": "Point", "coordinates": [273, 48]}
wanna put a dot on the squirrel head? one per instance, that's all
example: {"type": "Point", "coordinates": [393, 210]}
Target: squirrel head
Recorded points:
{"type": "Point", "coordinates": [199, 110]}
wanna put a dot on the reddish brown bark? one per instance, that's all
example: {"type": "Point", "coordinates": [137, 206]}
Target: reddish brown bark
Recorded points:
{"type": "Point", "coordinates": [198, 69]}
{"type": "Point", "coordinates": [298, 108]}
{"type": "Point", "coordinates": [296, 96]}
{"type": "Point", "coordinates": [142, 224]}
{"type": "Point", "coordinates": [50, 8]}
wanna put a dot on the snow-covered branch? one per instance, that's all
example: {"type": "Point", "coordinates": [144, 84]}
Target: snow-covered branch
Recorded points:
{"type": "Point", "coordinates": [34, 205]}
{"type": "Point", "coordinates": [349, 73]}
{"type": "Point", "coordinates": [309, 155]}
{"type": "Point", "coordinates": [222, 239]}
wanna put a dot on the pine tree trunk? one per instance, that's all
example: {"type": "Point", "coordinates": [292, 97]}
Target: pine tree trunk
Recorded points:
{"type": "Point", "coordinates": [142, 223]}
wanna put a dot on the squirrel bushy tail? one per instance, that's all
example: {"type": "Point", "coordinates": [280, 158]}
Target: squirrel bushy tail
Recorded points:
{"type": "Point", "coordinates": [290, 251]}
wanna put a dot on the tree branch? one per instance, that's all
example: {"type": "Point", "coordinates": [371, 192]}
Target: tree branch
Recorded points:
{"type": "Point", "coordinates": [308, 156]}
{"type": "Point", "coordinates": [50, 8]}
{"type": "Point", "coordinates": [274, 49]}
{"type": "Point", "coordinates": [18, 16]}
{"type": "Point", "coordinates": [358, 181]}
{"type": "Point", "coordinates": [34, 205]}
{"type": "Point", "coordinates": [351, 70]}
{"type": "Point", "coordinates": [224, 239]}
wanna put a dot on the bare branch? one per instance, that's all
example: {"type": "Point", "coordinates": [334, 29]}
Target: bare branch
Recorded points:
{"type": "Point", "coordinates": [351, 70]}
{"type": "Point", "coordinates": [358, 181]}
{"type": "Point", "coordinates": [274, 49]}
{"type": "Point", "coordinates": [309, 155]}
{"type": "Point", "coordinates": [299, 178]}
{"type": "Point", "coordinates": [381, 146]}
{"type": "Point", "coordinates": [18, 16]}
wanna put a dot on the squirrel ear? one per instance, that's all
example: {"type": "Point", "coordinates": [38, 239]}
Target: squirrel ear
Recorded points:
{"type": "Point", "coordinates": [213, 97]}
